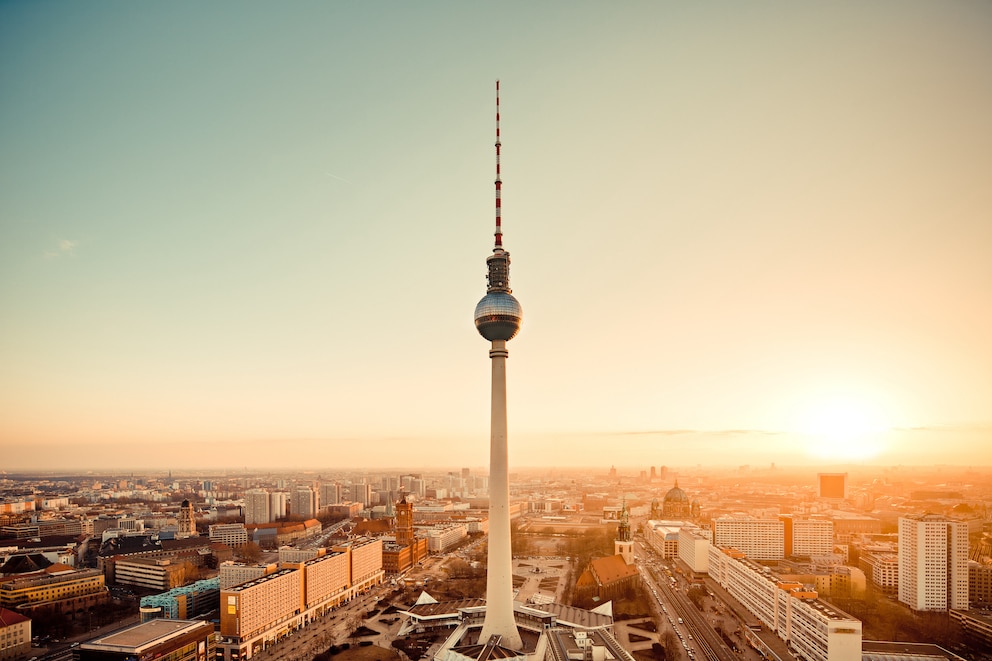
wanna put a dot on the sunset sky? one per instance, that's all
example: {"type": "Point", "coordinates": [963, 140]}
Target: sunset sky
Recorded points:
{"type": "Point", "coordinates": [253, 234]}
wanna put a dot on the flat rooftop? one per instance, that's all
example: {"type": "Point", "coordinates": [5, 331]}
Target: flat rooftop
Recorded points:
{"type": "Point", "coordinates": [141, 636]}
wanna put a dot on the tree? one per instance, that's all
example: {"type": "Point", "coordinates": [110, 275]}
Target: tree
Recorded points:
{"type": "Point", "coordinates": [671, 643]}
{"type": "Point", "coordinates": [697, 594]}
{"type": "Point", "coordinates": [250, 552]}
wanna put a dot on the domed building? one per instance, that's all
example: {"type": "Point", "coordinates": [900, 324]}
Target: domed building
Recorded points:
{"type": "Point", "coordinates": [676, 504]}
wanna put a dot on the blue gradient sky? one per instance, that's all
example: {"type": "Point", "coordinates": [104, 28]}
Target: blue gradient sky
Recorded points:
{"type": "Point", "coordinates": [257, 232]}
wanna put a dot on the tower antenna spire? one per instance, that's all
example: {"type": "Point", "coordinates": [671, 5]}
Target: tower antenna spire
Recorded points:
{"type": "Point", "coordinates": [499, 228]}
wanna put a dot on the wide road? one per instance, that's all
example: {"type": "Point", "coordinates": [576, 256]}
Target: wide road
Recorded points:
{"type": "Point", "coordinates": [705, 642]}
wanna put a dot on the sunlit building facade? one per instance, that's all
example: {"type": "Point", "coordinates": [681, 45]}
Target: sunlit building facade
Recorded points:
{"type": "Point", "coordinates": [257, 614]}
{"type": "Point", "coordinates": [933, 563]}
{"type": "Point", "coordinates": [759, 539]}
{"type": "Point", "coordinates": [813, 629]}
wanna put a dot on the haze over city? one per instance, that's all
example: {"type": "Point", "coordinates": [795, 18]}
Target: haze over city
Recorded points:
{"type": "Point", "coordinates": [254, 237]}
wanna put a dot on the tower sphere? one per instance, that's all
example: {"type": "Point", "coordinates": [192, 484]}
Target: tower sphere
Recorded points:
{"type": "Point", "coordinates": [498, 315]}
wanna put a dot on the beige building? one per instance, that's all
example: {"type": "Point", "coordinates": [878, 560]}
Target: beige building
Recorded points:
{"type": "Point", "coordinates": [235, 573]}
{"type": "Point", "coordinates": [694, 548]}
{"type": "Point", "coordinates": [66, 590]}
{"type": "Point", "coordinates": [933, 563]}
{"type": "Point", "coordinates": [812, 537]}
{"type": "Point", "coordinates": [155, 573]}
{"type": "Point", "coordinates": [813, 629]}
{"type": "Point", "coordinates": [881, 567]}
{"type": "Point", "coordinates": [759, 539]}
{"type": "Point", "coordinates": [15, 635]}
{"type": "Point", "coordinates": [234, 535]}
{"type": "Point", "coordinates": [443, 536]}
{"type": "Point", "coordinates": [264, 610]}
{"type": "Point", "coordinates": [979, 583]}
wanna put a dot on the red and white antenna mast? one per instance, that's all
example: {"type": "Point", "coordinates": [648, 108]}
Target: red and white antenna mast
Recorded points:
{"type": "Point", "coordinates": [499, 183]}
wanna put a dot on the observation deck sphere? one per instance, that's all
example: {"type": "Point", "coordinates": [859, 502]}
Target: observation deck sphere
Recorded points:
{"type": "Point", "coordinates": [498, 315]}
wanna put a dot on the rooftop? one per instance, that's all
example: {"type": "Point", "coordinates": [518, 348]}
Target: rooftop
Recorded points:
{"type": "Point", "coordinates": [141, 636]}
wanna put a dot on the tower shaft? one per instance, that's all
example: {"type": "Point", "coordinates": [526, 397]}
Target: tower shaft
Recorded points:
{"type": "Point", "coordinates": [499, 575]}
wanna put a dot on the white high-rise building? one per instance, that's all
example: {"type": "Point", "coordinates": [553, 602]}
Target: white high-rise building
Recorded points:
{"type": "Point", "coordinates": [933, 563]}
{"type": "Point", "coordinates": [304, 502]}
{"type": "Point", "coordinates": [361, 492]}
{"type": "Point", "coordinates": [277, 504]}
{"type": "Point", "coordinates": [330, 494]}
{"type": "Point", "coordinates": [812, 537]}
{"type": "Point", "coordinates": [759, 539]}
{"type": "Point", "coordinates": [257, 506]}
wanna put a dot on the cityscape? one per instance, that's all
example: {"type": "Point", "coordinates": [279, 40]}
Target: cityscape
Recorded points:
{"type": "Point", "coordinates": [746, 418]}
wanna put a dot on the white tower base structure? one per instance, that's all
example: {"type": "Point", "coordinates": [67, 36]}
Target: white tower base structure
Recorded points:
{"type": "Point", "coordinates": [499, 578]}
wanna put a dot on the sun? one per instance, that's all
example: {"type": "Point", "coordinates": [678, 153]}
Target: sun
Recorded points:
{"type": "Point", "coordinates": [843, 427]}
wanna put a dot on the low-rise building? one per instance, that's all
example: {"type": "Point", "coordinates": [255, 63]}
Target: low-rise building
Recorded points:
{"type": "Point", "coordinates": [234, 535]}
{"type": "Point", "coordinates": [65, 590]}
{"type": "Point", "coordinates": [154, 573]}
{"type": "Point", "coordinates": [15, 635]}
{"type": "Point", "coordinates": [443, 536]}
{"type": "Point", "coordinates": [175, 640]}
{"type": "Point", "coordinates": [182, 603]}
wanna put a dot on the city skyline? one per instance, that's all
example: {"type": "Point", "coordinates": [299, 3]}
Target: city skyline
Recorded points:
{"type": "Point", "coordinates": [747, 234]}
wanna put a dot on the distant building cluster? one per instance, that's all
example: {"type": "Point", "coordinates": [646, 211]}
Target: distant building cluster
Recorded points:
{"type": "Point", "coordinates": [74, 547]}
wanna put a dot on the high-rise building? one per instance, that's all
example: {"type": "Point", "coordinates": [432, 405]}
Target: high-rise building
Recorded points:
{"type": "Point", "coordinates": [304, 502]}
{"type": "Point", "coordinates": [361, 492]}
{"type": "Point", "coordinates": [257, 506]}
{"type": "Point", "coordinates": [807, 537]}
{"type": "Point", "coordinates": [330, 493]}
{"type": "Point", "coordinates": [278, 500]}
{"type": "Point", "coordinates": [933, 563]}
{"type": "Point", "coordinates": [497, 318]}
{"type": "Point", "coordinates": [832, 486]}
{"type": "Point", "coordinates": [759, 539]}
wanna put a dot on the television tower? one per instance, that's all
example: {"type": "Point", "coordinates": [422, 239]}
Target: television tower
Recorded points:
{"type": "Point", "coordinates": [497, 318]}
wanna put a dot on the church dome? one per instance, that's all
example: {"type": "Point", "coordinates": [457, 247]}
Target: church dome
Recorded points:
{"type": "Point", "coordinates": [676, 495]}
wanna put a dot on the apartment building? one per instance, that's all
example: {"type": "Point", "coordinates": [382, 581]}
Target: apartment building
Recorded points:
{"type": "Point", "coordinates": [443, 536]}
{"type": "Point", "coordinates": [933, 563]}
{"type": "Point", "coordinates": [235, 573]}
{"type": "Point", "coordinates": [694, 548]}
{"type": "Point", "coordinates": [262, 611]}
{"type": "Point", "coordinates": [813, 629]}
{"type": "Point", "coordinates": [759, 539]}
{"type": "Point", "coordinates": [234, 535]}
{"type": "Point", "coordinates": [811, 537]}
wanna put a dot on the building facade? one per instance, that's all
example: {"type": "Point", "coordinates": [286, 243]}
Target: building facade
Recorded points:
{"type": "Point", "coordinates": [813, 629]}
{"type": "Point", "coordinates": [15, 635]}
{"type": "Point", "coordinates": [263, 611]}
{"type": "Point", "coordinates": [759, 539]}
{"type": "Point", "coordinates": [175, 640]}
{"type": "Point", "coordinates": [234, 535]}
{"type": "Point", "coordinates": [933, 563]}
